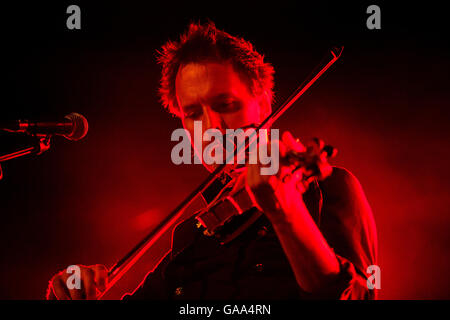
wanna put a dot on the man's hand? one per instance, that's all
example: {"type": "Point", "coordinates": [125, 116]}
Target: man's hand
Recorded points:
{"type": "Point", "coordinates": [281, 192]}
{"type": "Point", "coordinates": [280, 197]}
{"type": "Point", "coordinates": [93, 280]}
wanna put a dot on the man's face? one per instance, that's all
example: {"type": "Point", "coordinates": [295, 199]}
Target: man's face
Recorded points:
{"type": "Point", "coordinates": [217, 95]}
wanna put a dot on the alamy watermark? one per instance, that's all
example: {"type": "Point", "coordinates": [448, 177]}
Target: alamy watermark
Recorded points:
{"type": "Point", "coordinates": [374, 20]}
{"type": "Point", "coordinates": [74, 280]}
{"type": "Point", "coordinates": [73, 21]}
{"type": "Point", "coordinates": [374, 280]}
{"type": "Point", "coordinates": [228, 147]}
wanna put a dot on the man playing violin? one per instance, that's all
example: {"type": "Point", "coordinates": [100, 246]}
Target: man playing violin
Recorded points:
{"type": "Point", "coordinates": [309, 243]}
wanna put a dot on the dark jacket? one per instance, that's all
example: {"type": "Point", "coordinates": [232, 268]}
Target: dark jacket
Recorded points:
{"type": "Point", "coordinates": [254, 265]}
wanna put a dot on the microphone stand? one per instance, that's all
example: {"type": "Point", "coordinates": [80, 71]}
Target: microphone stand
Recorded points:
{"type": "Point", "coordinates": [41, 145]}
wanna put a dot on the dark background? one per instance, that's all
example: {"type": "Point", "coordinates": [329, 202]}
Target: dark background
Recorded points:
{"type": "Point", "coordinates": [384, 105]}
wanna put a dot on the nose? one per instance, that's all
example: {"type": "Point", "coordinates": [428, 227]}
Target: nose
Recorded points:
{"type": "Point", "coordinates": [212, 120]}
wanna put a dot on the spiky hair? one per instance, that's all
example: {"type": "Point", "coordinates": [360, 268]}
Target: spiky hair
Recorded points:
{"type": "Point", "coordinates": [204, 42]}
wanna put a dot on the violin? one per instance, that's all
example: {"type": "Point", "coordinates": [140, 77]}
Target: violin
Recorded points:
{"type": "Point", "coordinates": [233, 200]}
{"type": "Point", "coordinates": [230, 203]}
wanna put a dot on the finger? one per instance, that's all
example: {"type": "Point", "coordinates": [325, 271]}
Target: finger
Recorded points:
{"type": "Point", "coordinates": [276, 151]}
{"type": "Point", "coordinates": [283, 149]}
{"type": "Point", "coordinates": [89, 287]}
{"type": "Point", "coordinates": [251, 175]}
{"type": "Point", "coordinates": [100, 276]}
{"type": "Point", "coordinates": [50, 295]}
{"type": "Point", "coordinates": [325, 170]}
{"type": "Point", "coordinates": [292, 143]}
{"type": "Point", "coordinates": [262, 193]}
{"type": "Point", "coordinates": [59, 289]}
{"type": "Point", "coordinates": [239, 181]}
{"type": "Point", "coordinates": [319, 142]}
{"type": "Point", "coordinates": [76, 293]}
{"type": "Point", "coordinates": [251, 183]}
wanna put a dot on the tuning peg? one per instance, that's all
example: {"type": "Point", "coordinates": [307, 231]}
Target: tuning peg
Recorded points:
{"type": "Point", "coordinates": [318, 142]}
{"type": "Point", "coordinates": [330, 150]}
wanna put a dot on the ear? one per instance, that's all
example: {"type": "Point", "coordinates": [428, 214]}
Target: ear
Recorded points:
{"type": "Point", "coordinates": [265, 104]}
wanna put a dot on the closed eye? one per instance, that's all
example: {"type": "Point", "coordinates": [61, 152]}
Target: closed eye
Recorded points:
{"type": "Point", "coordinates": [194, 114]}
{"type": "Point", "coordinates": [227, 106]}
{"type": "Point", "coordinates": [193, 111]}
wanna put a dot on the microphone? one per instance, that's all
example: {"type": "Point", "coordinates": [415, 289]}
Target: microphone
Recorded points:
{"type": "Point", "coordinates": [73, 127]}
